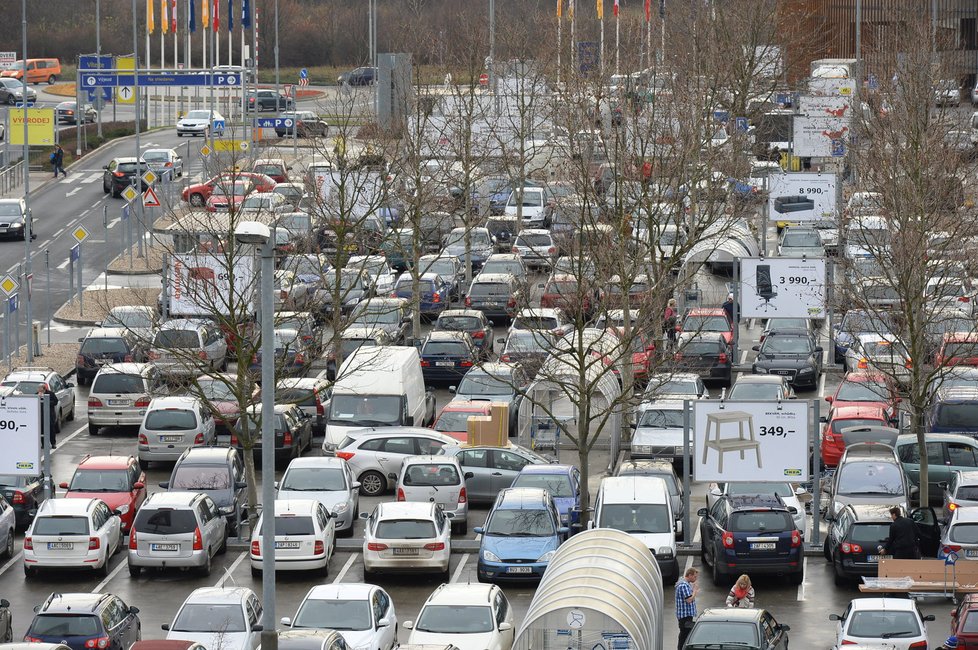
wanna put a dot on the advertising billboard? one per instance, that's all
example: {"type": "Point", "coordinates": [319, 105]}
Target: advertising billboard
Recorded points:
{"type": "Point", "coordinates": [796, 197]}
{"type": "Point", "coordinates": [202, 284]}
{"type": "Point", "coordinates": [782, 287]}
{"type": "Point", "coordinates": [40, 127]}
{"type": "Point", "coordinates": [20, 435]}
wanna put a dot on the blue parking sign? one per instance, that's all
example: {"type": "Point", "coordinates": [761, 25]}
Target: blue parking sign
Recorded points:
{"type": "Point", "coordinates": [838, 147]}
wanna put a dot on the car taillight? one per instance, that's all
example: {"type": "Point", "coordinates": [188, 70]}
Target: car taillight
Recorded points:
{"type": "Point", "coordinates": [169, 164]}
{"type": "Point", "coordinates": [118, 174]}
{"type": "Point", "coordinates": [425, 364]}
{"type": "Point", "coordinates": [18, 497]}
{"type": "Point", "coordinates": [950, 548]}
{"type": "Point", "coordinates": [922, 645]}
{"type": "Point", "coordinates": [374, 546]}
{"type": "Point", "coordinates": [481, 334]}
{"type": "Point", "coordinates": [94, 403]}
{"type": "Point", "coordinates": [722, 358]}
{"type": "Point", "coordinates": [465, 364]}
{"type": "Point", "coordinates": [728, 540]}
{"type": "Point", "coordinates": [320, 409]}
{"type": "Point", "coordinates": [850, 548]}
{"type": "Point", "coordinates": [795, 539]}
{"type": "Point", "coordinates": [318, 548]}
{"type": "Point", "coordinates": [300, 358]}
{"type": "Point", "coordinates": [552, 250]}
{"type": "Point", "coordinates": [97, 642]}
{"type": "Point", "coordinates": [33, 639]}
{"type": "Point", "coordinates": [909, 364]}
{"type": "Point", "coordinates": [863, 363]}
{"type": "Point", "coordinates": [436, 298]}
{"type": "Point", "coordinates": [435, 546]}
{"type": "Point", "coordinates": [256, 548]}
{"type": "Point", "coordinates": [202, 355]}
{"type": "Point", "coordinates": [94, 544]}
{"type": "Point", "coordinates": [514, 250]}
{"type": "Point", "coordinates": [287, 438]}
{"type": "Point", "coordinates": [132, 539]}
{"type": "Point", "coordinates": [199, 439]}
{"type": "Point", "coordinates": [28, 544]}
{"type": "Point", "coordinates": [283, 294]}
{"type": "Point", "coordinates": [400, 494]}
{"type": "Point", "coordinates": [511, 302]}
{"type": "Point", "coordinates": [468, 301]}
{"type": "Point", "coordinates": [142, 439]}
{"type": "Point", "coordinates": [198, 542]}
{"type": "Point", "coordinates": [234, 439]}
{"type": "Point", "coordinates": [463, 497]}
{"type": "Point", "coordinates": [678, 356]}
{"type": "Point", "coordinates": [345, 455]}
{"type": "Point", "coordinates": [154, 355]}
{"type": "Point", "coordinates": [964, 299]}
{"type": "Point", "coordinates": [142, 402]}
{"type": "Point", "coordinates": [393, 294]}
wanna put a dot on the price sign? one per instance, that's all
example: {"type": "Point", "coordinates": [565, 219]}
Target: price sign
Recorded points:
{"type": "Point", "coordinates": [20, 435]}
{"type": "Point", "coordinates": [782, 287]}
{"type": "Point", "coordinates": [751, 441]}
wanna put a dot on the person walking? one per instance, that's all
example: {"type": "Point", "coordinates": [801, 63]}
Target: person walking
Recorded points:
{"type": "Point", "coordinates": [728, 307]}
{"type": "Point", "coordinates": [58, 161]}
{"type": "Point", "coordinates": [669, 321]}
{"type": "Point", "coordinates": [686, 592]}
{"type": "Point", "coordinates": [902, 542]}
{"type": "Point", "coordinates": [742, 593]}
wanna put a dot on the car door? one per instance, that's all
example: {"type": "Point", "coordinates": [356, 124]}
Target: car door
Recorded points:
{"type": "Point", "coordinates": [477, 462]}
{"type": "Point", "coordinates": [928, 530]}
{"type": "Point", "coordinates": [66, 396]}
{"type": "Point", "coordinates": [936, 461]}
{"type": "Point", "coordinates": [384, 619]}
{"type": "Point", "coordinates": [505, 467]}
{"type": "Point", "coordinates": [254, 613]}
{"type": "Point", "coordinates": [715, 525]}
{"type": "Point", "coordinates": [113, 528]}
{"type": "Point", "coordinates": [392, 453]}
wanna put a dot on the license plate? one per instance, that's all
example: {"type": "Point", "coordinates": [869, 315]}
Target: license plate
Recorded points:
{"type": "Point", "coordinates": [171, 438]}
{"type": "Point", "coordinates": [164, 547]}
{"type": "Point", "coordinates": [490, 303]}
{"type": "Point", "coordinates": [970, 552]}
{"type": "Point", "coordinates": [3, 230]}
{"type": "Point", "coordinates": [876, 558]}
{"type": "Point", "coordinates": [405, 551]}
{"type": "Point", "coordinates": [445, 364]}
{"type": "Point", "coordinates": [763, 546]}
{"type": "Point", "coordinates": [118, 402]}
{"type": "Point", "coordinates": [60, 546]}
{"type": "Point", "coordinates": [519, 569]}
{"type": "Point", "coordinates": [287, 545]}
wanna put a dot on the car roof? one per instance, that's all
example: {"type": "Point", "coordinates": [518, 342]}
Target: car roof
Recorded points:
{"type": "Point", "coordinates": [759, 379]}
{"type": "Point", "coordinates": [71, 507]}
{"type": "Point", "coordinates": [706, 311]}
{"type": "Point", "coordinates": [405, 510]}
{"type": "Point", "coordinates": [522, 498]}
{"type": "Point", "coordinates": [126, 368]}
{"type": "Point", "coordinates": [368, 433]}
{"type": "Point", "coordinates": [738, 614]}
{"type": "Point", "coordinates": [57, 602]}
{"type": "Point", "coordinates": [219, 594]}
{"type": "Point", "coordinates": [207, 455]}
{"type": "Point", "coordinates": [464, 594]}
{"type": "Point", "coordinates": [874, 512]}
{"type": "Point", "coordinates": [175, 499]}
{"type": "Point", "coordinates": [907, 438]}
{"type": "Point", "coordinates": [474, 313]}
{"type": "Point", "coordinates": [902, 604]}
{"type": "Point", "coordinates": [863, 451]}
{"type": "Point", "coordinates": [105, 462]}
{"type": "Point", "coordinates": [482, 406]}
{"type": "Point", "coordinates": [296, 506]}
{"type": "Point", "coordinates": [174, 401]}
{"type": "Point", "coordinates": [184, 324]}
{"type": "Point", "coordinates": [957, 393]}
{"type": "Point", "coordinates": [663, 405]}
{"type": "Point", "coordinates": [961, 515]}
{"type": "Point", "coordinates": [106, 332]}
{"type": "Point", "coordinates": [655, 464]}
{"type": "Point", "coordinates": [494, 277]}
{"type": "Point", "coordinates": [446, 335]}
{"type": "Point", "coordinates": [319, 462]}
{"type": "Point", "coordinates": [967, 476]}
{"type": "Point", "coordinates": [633, 488]}
{"type": "Point", "coordinates": [552, 468]}
{"type": "Point", "coordinates": [430, 459]}
{"type": "Point", "coordinates": [345, 590]}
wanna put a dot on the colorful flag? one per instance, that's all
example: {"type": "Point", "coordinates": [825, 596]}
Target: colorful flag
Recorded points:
{"type": "Point", "coordinates": [164, 16]}
{"type": "Point", "coordinates": [216, 23]}
{"type": "Point", "coordinates": [150, 20]}
{"type": "Point", "coordinates": [600, 8]}
{"type": "Point", "coordinates": [615, 9]}
{"type": "Point", "coordinates": [230, 15]}
{"type": "Point", "coordinates": [205, 13]}
{"type": "Point", "coordinates": [246, 14]}
{"type": "Point", "coordinates": [648, 11]}
{"type": "Point", "coordinates": [191, 17]}
{"type": "Point", "coordinates": [173, 16]}
{"type": "Point", "coordinates": [559, 9]}
{"type": "Point", "coordinates": [570, 9]}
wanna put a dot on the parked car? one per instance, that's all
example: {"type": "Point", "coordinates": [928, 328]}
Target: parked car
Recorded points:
{"type": "Point", "coordinates": [761, 388]}
{"type": "Point", "coordinates": [492, 468]}
{"type": "Point", "coordinates": [329, 481]}
{"type": "Point", "coordinates": [529, 348]}
{"type": "Point", "coordinates": [197, 194]}
{"type": "Point", "coordinates": [847, 417]}
{"type": "Point", "coordinates": [120, 395]}
{"type": "Point", "coordinates": [434, 293]}
{"type": "Point", "coordinates": [106, 345]}
{"type": "Point", "coordinates": [792, 355]}
{"type": "Point", "coordinates": [867, 389]}
{"type": "Point", "coordinates": [363, 613]}
{"type": "Point", "coordinates": [879, 353]}
{"type": "Point", "coordinates": [269, 101]}
{"type": "Point", "coordinates": [306, 125]}
{"type": "Point", "coordinates": [217, 472]}
{"type": "Point", "coordinates": [496, 382]}
{"type": "Point", "coordinates": [946, 454]}
{"type": "Point", "coordinates": [24, 494]}
{"type": "Point", "coordinates": [436, 479]}
{"type": "Point", "coordinates": [83, 620]}
{"type": "Point", "coordinates": [14, 91]}
{"type": "Point", "coordinates": [536, 247]}
{"type": "Point", "coordinates": [659, 431]}
{"type": "Point", "coordinates": [662, 469]}
{"type": "Point", "coordinates": [789, 494]}
{"type": "Point", "coordinates": [708, 355]}
{"type": "Point", "coordinates": [393, 315]}
{"type": "Point", "coordinates": [177, 530]}
{"type": "Point", "coordinates": [69, 113]}
{"type": "Point", "coordinates": [292, 430]}
{"type": "Point", "coordinates": [562, 483]}
{"type": "Point", "coordinates": [407, 537]}
{"type": "Point", "coordinates": [854, 323]}
{"type": "Point", "coordinates": [676, 386]}
{"type": "Point", "coordinates": [171, 426]}
{"type": "Point", "coordinates": [305, 537]}
{"type": "Point", "coordinates": [80, 534]}
{"type": "Point", "coordinates": [165, 163]}
{"type": "Point", "coordinates": [747, 628]}
{"type": "Point", "coordinates": [563, 291]}
{"type": "Point", "coordinates": [27, 380]}
{"type": "Point", "coordinates": [877, 621]}
{"type": "Point", "coordinates": [480, 245]}
{"type": "Point", "coordinates": [454, 416]}
{"type": "Point", "coordinates": [471, 321]}
{"type": "Point", "coordinates": [186, 346]}
{"type": "Point", "coordinates": [868, 474]}
{"type": "Point", "coordinates": [446, 356]}
{"type": "Point", "coordinates": [116, 480]}
{"type": "Point", "coordinates": [220, 617]}
{"type": "Point", "coordinates": [375, 454]}
{"type": "Point", "coordinates": [961, 491]}
{"type": "Point", "coordinates": [707, 320]}
{"type": "Point", "coordinates": [495, 295]}
{"type": "Point", "coordinates": [952, 409]}
{"type": "Point", "coordinates": [473, 616]}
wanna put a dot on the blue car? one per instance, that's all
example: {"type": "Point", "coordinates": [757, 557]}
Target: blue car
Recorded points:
{"type": "Point", "coordinates": [563, 482]}
{"type": "Point", "coordinates": [520, 537]}
{"type": "Point", "coordinates": [854, 323]}
{"type": "Point", "coordinates": [447, 356]}
{"type": "Point", "coordinates": [436, 293]}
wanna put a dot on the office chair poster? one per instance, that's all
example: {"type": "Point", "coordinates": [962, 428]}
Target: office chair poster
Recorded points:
{"type": "Point", "coordinates": [750, 441]}
{"type": "Point", "coordinates": [782, 287]}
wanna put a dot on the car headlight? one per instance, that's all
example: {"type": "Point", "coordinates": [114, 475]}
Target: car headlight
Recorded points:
{"type": "Point", "coordinates": [546, 557]}
{"type": "Point", "coordinates": [123, 509]}
{"type": "Point", "coordinates": [664, 551]}
{"type": "Point", "coordinates": [226, 510]}
{"type": "Point", "coordinates": [489, 556]}
{"type": "Point", "coordinates": [760, 370]}
{"type": "Point", "coordinates": [15, 226]}
{"type": "Point", "coordinates": [806, 371]}
{"type": "Point", "coordinates": [342, 507]}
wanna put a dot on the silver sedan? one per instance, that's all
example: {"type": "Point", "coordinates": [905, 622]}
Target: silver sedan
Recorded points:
{"type": "Point", "coordinates": [166, 163]}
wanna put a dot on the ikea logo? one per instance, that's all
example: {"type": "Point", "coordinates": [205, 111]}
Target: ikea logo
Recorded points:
{"type": "Point", "coordinates": [792, 472]}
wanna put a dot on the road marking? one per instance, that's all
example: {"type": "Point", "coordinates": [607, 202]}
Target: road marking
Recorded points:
{"type": "Point", "coordinates": [92, 178]}
{"type": "Point", "coordinates": [801, 587]}
{"type": "Point", "coordinates": [346, 567]}
{"type": "Point", "coordinates": [100, 586]}
{"type": "Point", "coordinates": [73, 192]}
{"type": "Point", "coordinates": [821, 385]}
{"type": "Point", "coordinates": [63, 265]}
{"type": "Point", "coordinates": [93, 205]}
{"type": "Point", "coordinates": [458, 569]}
{"type": "Point", "coordinates": [114, 222]}
{"type": "Point", "coordinates": [11, 562]}
{"type": "Point", "coordinates": [696, 536]}
{"type": "Point", "coordinates": [230, 570]}
{"type": "Point", "coordinates": [70, 436]}
{"type": "Point", "coordinates": [60, 230]}
{"type": "Point", "coordinates": [825, 357]}
{"type": "Point", "coordinates": [743, 357]}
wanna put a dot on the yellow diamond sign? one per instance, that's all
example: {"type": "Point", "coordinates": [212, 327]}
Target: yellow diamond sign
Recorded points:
{"type": "Point", "coordinates": [129, 193]}
{"type": "Point", "coordinates": [205, 150]}
{"type": "Point", "coordinates": [8, 284]}
{"type": "Point", "coordinates": [149, 177]}
{"type": "Point", "coordinates": [80, 234]}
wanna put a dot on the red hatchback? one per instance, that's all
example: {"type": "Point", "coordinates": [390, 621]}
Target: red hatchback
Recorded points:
{"type": "Point", "coordinates": [843, 417]}
{"type": "Point", "coordinates": [707, 319]}
{"type": "Point", "coordinates": [454, 418]}
{"type": "Point", "coordinates": [116, 480]}
{"type": "Point", "coordinates": [964, 622]}
{"type": "Point", "coordinates": [958, 349]}
{"type": "Point", "coordinates": [197, 195]}
{"type": "Point", "coordinates": [867, 389]}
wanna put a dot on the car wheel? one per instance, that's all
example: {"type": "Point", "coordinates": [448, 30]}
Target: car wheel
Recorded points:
{"type": "Point", "coordinates": [179, 135]}
{"type": "Point", "coordinates": [718, 577]}
{"type": "Point", "coordinates": [143, 464]}
{"type": "Point", "coordinates": [224, 544]}
{"type": "Point", "coordinates": [11, 100]}
{"type": "Point", "coordinates": [134, 571]}
{"type": "Point", "coordinates": [103, 570]}
{"type": "Point", "coordinates": [105, 188]}
{"type": "Point", "coordinates": [206, 569]}
{"type": "Point", "coordinates": [825, 550]}
{"type": "Point", "coordinates": [51, 80]}
{"type": "Point", "coordinates": [797, 578]}
{"type": "Point", "coordinates": [29, 573]}
{"type": "Point", "coordinates": [197, 200]}
{"type": "Point", "coordinates": [71, 413]}
{"type": "Point", "coordinates": [255, 572]}
{"type": "Point", "coordinates": [372, 484]}
{"type": "Point", "coordinates": [8, 550]}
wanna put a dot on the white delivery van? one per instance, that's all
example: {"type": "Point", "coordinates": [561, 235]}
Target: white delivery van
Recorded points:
{"type": "Point", "coordinates": [378, 387]}
{"type": "Point", "coordinates": [640, 506]}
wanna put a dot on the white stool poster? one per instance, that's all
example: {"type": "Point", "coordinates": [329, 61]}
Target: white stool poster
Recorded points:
{"type": "Point", "coordinates": [750, 441]}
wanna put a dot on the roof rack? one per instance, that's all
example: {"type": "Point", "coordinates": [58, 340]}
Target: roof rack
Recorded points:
{"type": "Point", "coordinates": [34, 369]}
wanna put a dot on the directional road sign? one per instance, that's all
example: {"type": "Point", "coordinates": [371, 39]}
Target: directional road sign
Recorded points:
{"type": "Point", "coordinates": [8, 285]}
{"type": "Point", "coordinates": [80, 234]}
{"type": "Point", "coordinates": [130, 193]}
{"type": "Point", "coordinates": [230, 145]}
{"type": "Point", "coordinates": [155, 80]}
{"type": "Point", "coordinates": [274, 122]}
{"type": "Point", "coordinates": [123, 94]}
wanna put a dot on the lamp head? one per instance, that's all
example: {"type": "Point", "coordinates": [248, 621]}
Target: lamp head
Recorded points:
{"type": "Point", "coordinates": [252, 232]}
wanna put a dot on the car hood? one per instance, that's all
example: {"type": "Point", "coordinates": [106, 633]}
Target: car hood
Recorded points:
{"type": "Point", "coordinates": [654, 541]}
{"type": "Point", "coordinates": [330, 499]}
{"type": "Point", "coordinates": [112, 499]}
{"type": "Point", "coordinates": [223, 498]}
{"type": "Point", "coordinates": [358, 638]}
{"type": "Point", "coordinates": [460, 641]}
{"type": "Point", "coordinates": [215, 641]}
{"type": "Point", "coordinates": [655, 436]}
{"type": "Point", "coordinates": [188, 122]}
{"type": "Point", "coordinates": [519, 548]}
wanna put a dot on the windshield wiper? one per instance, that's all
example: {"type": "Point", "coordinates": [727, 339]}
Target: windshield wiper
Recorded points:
{"type": "Point", "coordinates": [370, 423]}
{"type": "Point", "coordinates": [890, 635]}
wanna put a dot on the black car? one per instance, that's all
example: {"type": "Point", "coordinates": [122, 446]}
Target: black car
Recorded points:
{"type": "Point", "coordinates": [447, 356]}
{"type": "Point", "coordinates": [12, 219]}
{"type": "Point", "coordinates": [504, 229]}
{"type": "Point", "coordinates": [753, 534]}
{"type": "Point", "coordinates": [706, 354]}
{"type": "Point", "coordinates": [83, 621]}
{"type": "Point", "coordinates": [104, 345]}
{"type": "Point", "coordinates": [25, 495]}
{"type": "Point", "coordinates": [855, 534]}
{"type": "Point", "coordinates": [218, 472]}
{"type": "Point", "coordinates": [293, 431]}
{"type": "Point", "coordinates": [792, 354]}
{"type": "Point", "coordinates": [68, 113]}
{"type": "Point", "coordinates": [306, 123]}
{"type": "Point", "coordinates": [358, 77]}
{"type": "Point", "coordinates": [269, 100]}
{"type": "Point", "coordinates": [734, 627]}
{"type": "Point", "coordinates": [122, 172]}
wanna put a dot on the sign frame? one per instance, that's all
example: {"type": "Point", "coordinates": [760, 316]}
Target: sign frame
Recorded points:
{"type": "Point", "coordinates": [20, 435]}
{"type": "Point", "coordinates": [783, 287]}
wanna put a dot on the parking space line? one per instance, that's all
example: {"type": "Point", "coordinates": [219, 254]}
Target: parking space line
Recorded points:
{"type": "Point", "coordinates": [801, 587]}
{"type": "Point", "coordinates": [11, 562]}
{"type": "Point", "coordinates": [100, 586]}
{"type": "Point", "coordinates": [743, 357]}
{"type": "Point", "coordinates": [70, 436]}
{"type": "Point", "coordinates": [696, 537]}
{"type": "Point", "coordinates": [346, 567]}
{"type": "Point", "coordinates": [458, 569]}
{"type": "Point", "coordinates": [230, 570]}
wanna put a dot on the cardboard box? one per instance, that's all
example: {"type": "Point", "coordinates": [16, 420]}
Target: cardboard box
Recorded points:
{"type": "Point", "coordinates": [491, 430]}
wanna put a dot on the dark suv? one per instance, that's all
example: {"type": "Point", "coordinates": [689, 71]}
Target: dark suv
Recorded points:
{"type": "Point", "coordinates": [266, 100]}
{"type": "Point", "coordinates": [494, 294]}
{"type": "Point", "coordinates": [120, 173]}
{"type": "Point", "coordinates": [218, 472]}
{"type": "Point", "coordinates": [752, 534]}
{"type": "Point", "coordinates": [708, 355]}
{"type": "Point", "coordinates": [85, 621]}
{"type": "Point", "coordinates": [105, 345]}
{"type": "Point", "coordinates": [792, 354]}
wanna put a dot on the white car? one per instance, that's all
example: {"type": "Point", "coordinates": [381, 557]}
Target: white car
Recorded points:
{"type": "Point", "coordinates": [221, 618]}
{"type": "Point", "coordinates": [468, 616]}
{"type": "Point", "coordinates": [381, 274]}
{"type": "Point", "coordinates": [659, 431]}
{"type": "Point", "coordinates": [201, 122]}
{"type": "Point", "coordinates": [875, 622]}
{"type": "Point", "coordinates": [878, 353]}
{"type": "Point", "coordinates": [407, 537]}
{"type": "Point", "coordinates": [791, 496]}
{"type": "Point", "coordinates": [72, 534]}
{"type": "Point", "coordinates": [305, 537]}
{"type": "Point", "coordinates": [328, 480]}
{"type": "Point", "coordinates": [364, 614]}
{"type": "Point", "coordinates": [27, 379]}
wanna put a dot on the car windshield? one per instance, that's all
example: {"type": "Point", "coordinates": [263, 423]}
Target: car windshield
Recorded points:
{"type": "Point", "coordinates": [114, 382]}
{"type": "Point", "coordinates": [722, 634]}
{"type": "Point", "coordinates": [636, 518]}
{"type": "Point", "coordinates": [313, 479]}
{"type": "Point", "coordinates": [442, 266]}
{"type": "Point", "coordinates": [216, 390]}
{"type": "Point", "coordinates": [10, 210]}
{"type": "Point", "coordinates": [510, 267]}
{"type": "Point", "coordinates": [371, 410]}
{"type": "Point", "coordinates": [867, 477]}
{"type": "Point", "coordinates": [198, 115]}
{"type": "Point", "coordinates": [104, 346]}
{"type": "Point", "coordinates": [661, 418]}
{"type": "Point", "coordinates": [334, 614]}
{"type": "Point", "coordinates": [101, 480]}
{"type": "Point", "coordinates": [291, 525]}
{"type": "Point", "coordinates": [348, 346]}
{"type": "Point", "coordinates": [377, 314]}
{"type": "Point", "coordinates": [695, 347]}
{"type": "Point", "coordinates": [456, 421]}
{"type": "Point", "coordinates": [155, 156]}
{"type": "Point", "coordinates": [806, 238]}
{"type": "Point", "coordinates": [535, 323]}
{"type": "Point", "coordinates": [431, 475]}
{"type": "Point", "coordinates": [458, 323]}
{"type": "Point", "coordinates": [131, 319]}
{"type": "Point", "coordinates": [672, 387]}
{"type": "Point", "coordinates": [65, 625]}
{"type": "Point", "coordinates": [747, 488]}
{"type": "Point", "coordinates": [868, 534]}
{"type": "Point", "coordinates": [24, 387]}
{"type": "Point", "coordinates": [754, 390]}
{"type": "Point", "coordinates": [9, 480]}
{"type": "Point", "coordinates": [884, 349]}
{"type": "Point", "coordinates": [861, 391]}
{"type": "Point", "coordinates": [558, 485]}
{"type": "Point", "coordinates": [534, 239]}
{"type": "Point", "coordinates": [176, 339]}
{"type": "Point", "coordinates": [59, 525]}
{"type": "Point", "coordinates": [528, 341]}
{"type": "Point", "coordinates": [964, 493]}
{"type": "Point", "coordinates": [706, 324]}
{"type": "Point", "coordinates": [759, 521]}
{"type": "Point", "coordinates": [566, 287]}
{"type": "Point", "coordinates": [521, 523]}
{"type": "Point", "coordinates": [839, 425]}
{"type": "Point", "coordinates": [489, 289]}
{"type": "Point", "coordinates": [888, 624]}
{"type": "Point", "coordinates": [456, 619]}
{"type": "Point", "coordinates": [208, 617]}
{"type": "Point", "coordinates": [170, 420]}
{"type": "Point", "coordinates": [297, 396]}
{"type": "Point", "coordinates": [405, 529]}
{"type": "Point", "coordinates": [786, 345]}
{"type": "Point", "coordinates": [963, 415]}
{"type": "Point", "coordinates": [201, 477]}
{"type": "Point", "coordinates": [483, 383]}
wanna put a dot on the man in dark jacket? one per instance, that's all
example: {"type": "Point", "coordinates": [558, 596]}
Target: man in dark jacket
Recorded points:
{"type": "Point", "coordinates": [43, 390]}
{"type": "Point", "coordinates": [902, 542]}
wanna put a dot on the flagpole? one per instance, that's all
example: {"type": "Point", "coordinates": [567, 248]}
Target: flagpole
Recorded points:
{"type": "Point", "coordinates": [648, 40]}
{"type": "Point", "coordinates": [162, 63]}
{"type": "Point", "coordinates": [617, 36]}
{"type": "Point", "coordinates": [601, 52]}
{"type": "Point", "coordinates": [176, 41]}
{"type": "Point", "coordinates": [559, 41]}
{"type": "Point", "coordinates": [573, 37]}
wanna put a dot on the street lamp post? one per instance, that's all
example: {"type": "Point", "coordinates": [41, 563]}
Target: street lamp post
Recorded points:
{"type": "Point", "coordinates": [28, 220]}
{"type": "Point", "coordinates": [98, 57]}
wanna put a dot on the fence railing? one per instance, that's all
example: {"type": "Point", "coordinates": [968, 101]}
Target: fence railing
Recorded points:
{"type": "Point", "coordinates": [11, 177]}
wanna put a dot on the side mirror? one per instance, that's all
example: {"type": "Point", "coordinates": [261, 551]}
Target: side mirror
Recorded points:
{"type": "Point", "coordinates": [286, 621]}
{"type": "Point", "coordinates": [942, 485]}
{"type": "Point", "coordinates": [715, 491]}
{"type": "Point", "coordinates": [835, 617]}
{"type": "Point", "coordinates": [829, 399]}
{"type": "Point", "coordinates": [69, 384]}
{"type": "Point", "coordinates": [930, 617]}
{"type": "Point", "coordinates": [275, 485]}
{"type": "Point", "coordinates": [449, 515]}
{"type": "Point", "coordinates": [165, 485]}
{"type": "Point", "coordinates": [563, 530]}
{"type": "Point", "coordinates": [408, 625]}
{"type": "Point", "coordinates": [355, 485]}
{"type": "Point", "coordinates": [785, 628]}
{"type": "Point", "coordinates": [756, 348]}
{"type": "Point", "coordinates": [165, 627]}
{"type": "Point", "coordinates": [133, 610]}
{"type": "Point", "coordinates": [4, 602]}
{"type": "Point", "coordinates": [63, 485]}
{"type": "Point", "coordinates": [469, 475]}
{"type": "Point", "coordinates": [117, 512]}
{"type": "Point", "coordinates": [800, 491]}
{"type": "Point", "coordinates": [793, 510]}
{"type": "Point", "coordinates": [505, 627]}
{"type": "Point", "coordinates": [364, 515]}
{"type": "Point", "coordinates": [451, 389]}
{"type": "Point", "coordinates": [240, 485]}
{"type": "Point", "coordinates": [478, 530]}
{"type": "Point", "coordinates": [702, 512]}
{"type": "Point", "coordinates": [138, 485]}
{"type": "Point", "coordinates": [914, 490]}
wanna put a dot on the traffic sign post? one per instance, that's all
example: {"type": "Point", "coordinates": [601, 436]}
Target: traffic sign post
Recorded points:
{"type": "Point", "coordinates": [150, 198]}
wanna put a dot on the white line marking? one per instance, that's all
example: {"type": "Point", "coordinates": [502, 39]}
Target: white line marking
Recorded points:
{"type": "Point", "coordinates": [11, 562]}
{"type": "Point", "coordinates": [346, 567]}
{"type": "Point", "coordinates": [230, 570]}
{"type": "Point", "coordinates": [696, 536]}
{"type": "Point", "coordinates": [63, 265]}
{"type": "Point", "coordinates": [60, 230]}
{"type": "Point", "coordinates": [100, 586]}
{"type": "Point", "coordinates": [459, 568]}
{"type": "Point", "coordinates": [70, 436]}
{"type": "Point", "coordinates": [96, 203]}
{"type": "Point", "coordinates": [825, 357]}
{"type": "Point", "coordinates": [114, 222]}
{"type": "Point", "coordinates": [801, 587]}
{"type": "Point", "coordinates": [743, 357]}
{"type": "Point", "coordinates": [92, 178]}
{"type": "Point", "coordinates": [73, 192]}
{"type": "Point", "coordinates": [821, 385]}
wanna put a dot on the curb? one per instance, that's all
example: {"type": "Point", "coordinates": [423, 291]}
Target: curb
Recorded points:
{"type": "Point", "coordinates": [74, 322]}
{"type": "Point", "coordinates": [150, 271]}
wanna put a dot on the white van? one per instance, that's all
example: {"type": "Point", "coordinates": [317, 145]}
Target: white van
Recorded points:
{"type": "Point", "coordinates": [378, 387]}
{"type": "Point", "coordinates": [640, 506]}
{"type": "Point", "coordinates": [534, 206]}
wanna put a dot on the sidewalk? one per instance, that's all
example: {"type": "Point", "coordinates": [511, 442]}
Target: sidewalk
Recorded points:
{"type": "Point", "coordinates": [37, 180]}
